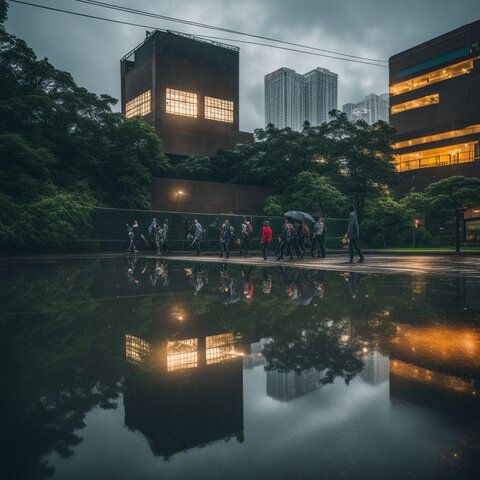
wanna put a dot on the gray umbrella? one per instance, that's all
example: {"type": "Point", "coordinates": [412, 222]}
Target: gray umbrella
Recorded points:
{"type": "Point", "coordinates": [225, 298]}
{"type": "Point", "coordinates": [297, 215]}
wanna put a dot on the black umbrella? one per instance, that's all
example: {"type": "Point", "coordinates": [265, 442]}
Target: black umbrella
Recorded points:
{"type": "Point", "coordinates": [297, 215]}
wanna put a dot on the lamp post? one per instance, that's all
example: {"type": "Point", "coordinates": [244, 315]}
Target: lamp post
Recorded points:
{"type": "Point", "coordinates": [179, 192]}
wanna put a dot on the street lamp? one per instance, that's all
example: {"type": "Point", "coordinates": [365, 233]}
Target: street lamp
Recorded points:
{"type": "Point", "coordinates": [179, 192]}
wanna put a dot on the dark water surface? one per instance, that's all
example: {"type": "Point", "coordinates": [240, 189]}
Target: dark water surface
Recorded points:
{"type": "Point", "coordinates": [139, 369]}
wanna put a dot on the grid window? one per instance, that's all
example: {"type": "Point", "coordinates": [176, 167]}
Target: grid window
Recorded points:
{"type": "Point", "coordinates": [446, 73]}
{"type": "Point", "coordinates": [438, 136]}
{"type": "Point", "coordinates": [136, 349]}
{"type": "Point", "coordinates": [220, 348]}
{"type": "Point", "coordinates": [181, 103]}
{"type": "Point", "coordinates": [417, 103]}
{"type": "Point", "coordinates": [139, 106]}
{"type": "Point", "coordinates": [182, 354]}
{"type": "Point", "coordinates": [219, 110]}
{"type": "Point", "coordinates": [436, 157]}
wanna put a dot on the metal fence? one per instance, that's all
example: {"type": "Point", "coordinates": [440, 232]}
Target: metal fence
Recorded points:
{"type": "Point", "coordinates": [111, 232]}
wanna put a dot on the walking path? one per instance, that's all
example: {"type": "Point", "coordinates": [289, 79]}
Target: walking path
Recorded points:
{"type": "Point", "coordinates": [448, 265]}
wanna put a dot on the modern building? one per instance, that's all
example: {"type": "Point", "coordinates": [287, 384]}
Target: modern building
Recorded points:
{"type": "Point", "coordinates": [371, 109]}
{"type": "Point", "coordinates": [285, 99]}
{"type": "Point", "coordinates": [187, 88]}
{"type": "Point", "coordinates": [321, 95]}
{"type": "Point", "coordinates": [435, 109]}
{"type": "Point", "coordinates": [292, 98]}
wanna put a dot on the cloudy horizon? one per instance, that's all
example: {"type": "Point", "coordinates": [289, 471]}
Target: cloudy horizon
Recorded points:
{"type": "Point", "coordinates": [91, 49]}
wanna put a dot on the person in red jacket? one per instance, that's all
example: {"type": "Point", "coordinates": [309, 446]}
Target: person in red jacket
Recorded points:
{"type": "Point", "coordinates": [266, 238]}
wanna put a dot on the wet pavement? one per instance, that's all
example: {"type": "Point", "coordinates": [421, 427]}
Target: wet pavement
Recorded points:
{"type": "Point", "coordinates": [424, 264]}
{"type": "Point", "coordinates": [445, 265]}
{"type": "Point", "coordinates": [139, 367]}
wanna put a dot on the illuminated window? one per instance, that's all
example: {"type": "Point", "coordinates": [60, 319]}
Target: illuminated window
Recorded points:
{"type": "Point", "coordinates": [220, 348]}
{"type": "Point", "coordinates": [422, 375]}
{"type": "Point", "coordinates": [417, 103]}
{"type": "Point", "coordinates": [136, 349]}
{"type": "Point", "coordinates": [436, 157]}
{"type": "Point", "coordinates": [439, 136]}
{"type": "Point", "coordinates": [182, 354]}
{"type": "Point", "coordinates": [139, 106]}
{"type": "Point", "coordinates": [446, 73]}
{"type": "Point", "coordinates": [220, 110]}
{"type": "Point", "coordinates": [181, 103]}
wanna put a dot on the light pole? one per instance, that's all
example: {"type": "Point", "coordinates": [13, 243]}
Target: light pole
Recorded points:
{"type": "Point", "coordinates": [179, 192]}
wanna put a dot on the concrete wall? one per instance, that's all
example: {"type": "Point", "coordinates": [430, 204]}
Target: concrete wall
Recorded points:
{"type": "Point", "coordinates": [207, 197]}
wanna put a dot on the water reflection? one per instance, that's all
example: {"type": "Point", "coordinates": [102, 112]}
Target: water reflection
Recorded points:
{"type": "Point", "coordinates": [197, 355]}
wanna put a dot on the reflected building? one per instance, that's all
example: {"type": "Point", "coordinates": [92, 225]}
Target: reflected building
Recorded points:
{"type": "Point", "coordinates": [436, 366]}
{"type": "Point", "coordinates": [255, 357]}
{"type": "Point", "coordinates": [376, 368]}
{"type": "Point", "coordinates": [183, 383]}
{"type": "Point", "coordinates": [286, 386]}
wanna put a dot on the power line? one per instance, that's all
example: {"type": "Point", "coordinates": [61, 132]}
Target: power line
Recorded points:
{"type": "Point", "coordinates": [122, 22]}
{"type": "Point", "coordinates": [285, 48]}
{"type": "Point", "coordinates": [213, 27]}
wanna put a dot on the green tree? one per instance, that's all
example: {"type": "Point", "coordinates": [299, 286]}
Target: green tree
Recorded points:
{"type": "Point", "coordinates": [362, 158]}
{"type": "Point", "coordinates": [453, 194]}
{"type": "Point", "coordinates": [313, 193]}
{"type": "Point", "coordinates": [386, 222]}
{"type": "Point", "coordinates": [273, 206]}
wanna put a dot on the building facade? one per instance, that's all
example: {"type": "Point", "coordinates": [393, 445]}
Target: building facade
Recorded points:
{"type": "Point", "coordinates": [435, 109]}
{"type": "Point", "coordinates": [292, 98]}
{"type": "Point", "coordinates": [371, 109]}
{"type": "Point", "coordinates": [187, 88]}
{"type": "Point", "coordinates": [321, 93]}
{"type": "Point", "coordinates": [285, 99]}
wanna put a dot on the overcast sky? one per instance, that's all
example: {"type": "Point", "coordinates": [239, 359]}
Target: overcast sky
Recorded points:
{"type": "Point", "coordinates": [91, 49]}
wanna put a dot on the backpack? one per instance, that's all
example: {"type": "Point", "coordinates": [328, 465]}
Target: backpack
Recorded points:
{"type": "Point", "coordinates": [250, 229]}
{"type": "Point", "coordinates": [305, 231]}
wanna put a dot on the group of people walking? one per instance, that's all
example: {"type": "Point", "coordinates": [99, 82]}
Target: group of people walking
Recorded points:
{"type": "Point", "coordinates": [158, 236]}
{"type": "Point", "coordinates": [293, 239]}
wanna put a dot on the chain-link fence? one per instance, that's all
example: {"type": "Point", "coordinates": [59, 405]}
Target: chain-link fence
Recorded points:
{"type": "Point", "coordinates": [111, 228]}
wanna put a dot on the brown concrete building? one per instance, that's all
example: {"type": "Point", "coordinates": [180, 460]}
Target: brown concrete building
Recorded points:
{"type": "Point", "coordinates": [435, 109]}
{"type": "Point", "coordinates": [177, 195]}
{"type": "Point", "coordinates": [188, 89]}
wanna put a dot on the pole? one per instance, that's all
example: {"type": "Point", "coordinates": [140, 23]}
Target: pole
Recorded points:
{"type": "Point", "coordinates": [176, 203]}
{"type": "Point", "coordinates": [413, 234]}
{"type": "Point", "coordinates": [457, 232]}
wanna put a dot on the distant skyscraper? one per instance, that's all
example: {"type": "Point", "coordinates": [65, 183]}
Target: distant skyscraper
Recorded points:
{"type": "Point", "coordinates": [320, 95]}
{"type": "Point", "coordinates": [284, 99]}
{"type": "Point", "coordinates": [292, 98]}
{"type": "Point", "coordinates": [371, 109]}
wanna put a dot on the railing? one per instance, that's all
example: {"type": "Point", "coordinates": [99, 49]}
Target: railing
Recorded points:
{"type": "Point", "coordinates": [437, 161]}
{"type": "Point", "coordinates": [111, 231]}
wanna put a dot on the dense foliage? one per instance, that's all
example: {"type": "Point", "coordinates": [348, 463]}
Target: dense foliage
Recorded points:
{"type": "Point", "coordinates": [63, 151]}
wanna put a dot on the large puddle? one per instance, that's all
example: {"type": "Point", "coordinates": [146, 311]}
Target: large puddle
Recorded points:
{"type": "Point", "coordinates": [144, 369]}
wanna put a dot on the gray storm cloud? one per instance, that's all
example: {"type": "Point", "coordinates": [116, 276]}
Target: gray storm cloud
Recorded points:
{"type": "Point", "coordinates": [91, 49]}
